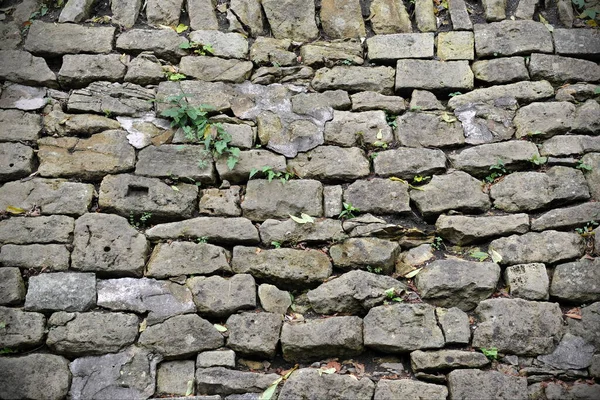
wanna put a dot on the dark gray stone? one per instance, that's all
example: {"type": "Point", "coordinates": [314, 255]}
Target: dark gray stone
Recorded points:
{"type": "Point", "coordinates": [34, 376]}
{"type": "Point", "coordinates": [378, 196]}
{"type": "Point", "coordinates": [185, 258]}
{"type": "Point", "coordinates": [224, 381]}
{"type": "Point", "coordinates": [355, 79]}
{"type": "Point", "coordinates": [172, 377]}
{"type": "Point", "coordinates": [213, 229]}
{"type": "Point", "coordinates": [501, 70]}
{"type": "Point", "coordinates": [476, 384]}
{"type": "Point", "coordinates": [577, 42]}
{"type": "Point", "coordinates": [509, 38]}
{"type": "Point", "coordinates": [309, 383]}
{"type": "Point", "coordinates": [561, 70]}
{"type": "Point", "coordinates": [579, 390]}
{"type": "Point", "coordinates": [528, 281]}
{"type": "Point", "coordinates": [61, 291]}
{"type": "Point", "coordinates": [112, 98]}
{"type": "Point", "coordinates": [586, 327]}
{"type": "Point", "coordinates": [567, 218]}
{"type": "Point", "coordinates": [21, 67]}
{"type": "Point", "coordinates": [18, 125]}
{"type": "Point", "coordinates": [182, 161]}
{"type": "Point", "coordinates": [577, 282]}
{"type": "Point", "coordinates": [289, 231]}
{"type": "Point", "coordinates": [576, 92]}
{"type": "Point", "coordinates": [573, 352]}
{"type": "Point", "coordinates": [406, 163]}
{"type": "Point", "coordinates": [16, 161]}
{"type": "Point", "coordinates": [360, 253]}
{"type": "Point", "coordinates": [215, 296]}
{"type": "Point", "coordinates": [21, 329]}
{"type": "Point", "coordinates": [593, 177]}
{"type": "Point", "coordinates": [12, 287]}
{"type": "Point", "coordinates": [331, 163]}
{"type": "Point", "coordinates": [82, 69]}
{"type": "Point", "coordinates": [51, 229]}
{"type": "Point", "coordinates": [545, 247]}
{"type": "Point", "coordinates": [51, 257]}
{"type": "Point", "coordinates": [463, 230]}
{"type": "Point", "coordinates": [51, 39]}
{"type": "Point", "coordinates": [514, 154]}
{"type": "Point", "coordinates": [433, 75]}
{"type": "Point", "coordinates": [254, 334]}
{"type": "Point", "coordinates": [446, 359]}
{"type": "Point", "coordinates": [408, 388]}
{"type": "Point", "coordinates": [417, 129]}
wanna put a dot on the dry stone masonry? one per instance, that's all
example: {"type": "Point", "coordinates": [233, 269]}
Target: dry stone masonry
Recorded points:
{"type": "Point", "coordinates": [297, 199]}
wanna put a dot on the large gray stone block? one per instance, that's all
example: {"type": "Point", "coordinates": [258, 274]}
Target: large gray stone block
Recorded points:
{"type": "Point", "coordinates": [61, 291]}
{"type": "Point", "coordinates": [21, 67]}
{"type": "Point", "coordinates": [463, 230]}
{"type": "Point", "coordinates": [254, 334]}
{"type": "Point", "coordinates": [23, 230]}
{"type": "Point", "coordinates": [433, 75]}
{"type": "Point", "coordinates": [21, 329]}
{"type": "Point", "coordinates": [355, 79]}
{"type": "Point", "coordinates": [543, 247]}
{"type": "Point", "coordinates": [215, 296]}
{"type": "Point", "coordinates": [186, 258]}
{"type": "Point", "coordinates": [212, 229]}
{"type": "Point", "coordinates": [510, 38]}
{"type": "Point", "coordinates": [45, 38]}
{"type": "Point", "coordinates": [308, 382]}
{"type": "Point", "coordinates": [331, 163]}
{"type": "Point", "coordinates": [34, 376]}
{"type": "Point", "coordinates": [477, 384]}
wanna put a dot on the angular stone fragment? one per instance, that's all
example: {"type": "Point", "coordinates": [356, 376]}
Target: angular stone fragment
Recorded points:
{"type": "Point", "coordinates": [216, 358]}
{"type": "Point", "coordinates": [331, 163]}
{"type": "Point", "coordinates": [11, 33]}
{"type": "Point", "coordinates": [586, 326]}
{"type": "Point", "coordinates": [577, 282]}
{"type": "Point", "coordinates": [593, 177]}
{"type": "Point", "coordinates": [355, 79]}
{"type": "Point", "coordinates": [274, 300]}
{"type": "Point", "coordinates": [406, 163]}
{"type": "Point", "coordinates": [76, 11]}
{"type": "Point", "coordinates": [224, 381]}
{"type": "Point", "coordinates": [401, 328]}
{"type": "Point", "coordinates": [495, 10]}
{"type": "Point", "coordinates": [528, 281]}
{"type": "Point", "coordinates": [112, 98]}
{"type": "Point", "coordinates": [454, 191]}
{"type": "Point", "coordinates": [21, 329]}
{"type": "Point", "coordinates": [446, 359]}
{"type": "Point", "coordinates": [478, 160]}
{"type": "Point", "coordinates": [501, 70]}
{"type": "Point", "coordinates": [368, 101]}
{"type": "Point", "coordinates": [61, 291]}
{"type": "Point", "coordinates": [308, 382]}
{"type": "Point", "coordinates": [202, 14]}
{"type": "Point", "coordinates": [163, 43]}
{"type": "Point", "coordinates": [12, 287]}
{"type": "Point", "coordinates": [408, 388]}
{"type": "Point", "coordinates": [477, 384]}
{"type": "Point", "coordinates": [34, 376]}
{"type": "Point", "coordinates": [378, 196]}
{"type": "Point", "coordinates": [576, 92]}
{"type": "Point", "coordinates": [342, 19]}
{"type": "Point", "coordinates": [354, 292]}
{"type": "Point", "coordinates": [389, 16]}
{"type": "Point", "coordinates": [130, 373]}
{"type": "Point", "coordinates": [455, 46]}
{"type": "Point", "coordinates": [424, 16]}
{"type": "Point", "coordinates": [145, 69]}
{"type": "Point", "coordinates": [125, 12]}
{"type": "Point", "coordinates": [214, 69]}
{"type": "Point", "coordinates": [58, 123]}
{"type": "Point", "coordinates": [518, 326]}
{"type": "Point", "coordinates": [160, 299]}
{"type": "Point", "coordinates": [459, 15]}
{"type": "Point", "coordinates": [422, 100]}
{"type": "Point", "coordinates": [524, 92]}
{"type": "Point", "coordinates": [289, 231]}
{"type": "Point", "coordinates": [433, 75]}
{"type": "Point", "coordinates": [127, 194]}
{"type": "Point", "coordinates": [561, 70]}
{"type": "Point", "coordinates": [509, 38]}
{"type": "Point", "coordinates": [454, 283]}
{"type": "Point", "coordinates": [544, 119]}
{"type": "Point", "coordinates": [247, 162]}
{"type": "Point", "coordinates": [455, 325]}
{"type": "Point", "coordinates": [213, 229]}
{"type": "Point", "coordinates": [181, 336]}
{"type": "Point", "coordinates": [418, 129]}
{"type": "Point", "coordinates": [545, 247]}
{"type": "Point", "coordinates": [311, 103]}
{"type": "Point", "coordinates": [50, 39]}
{"type": "Point", "coordinates": [51, 229]}
{"type": "Point", "coordinates": [224, 202]}
{"type": "Point", "coordinates": [183, 161]}
{"type": "Point", "coordinates": [91, 333]}
{"type": "Point", "coordinates": [587, 118]}
{"type": "Point", "coordinates": [185, 258]}
{"type": "Point", "coordinates": [319, 339]}
{"type": "Point", "coordinates": [164, 12]}
{"type": "Point", "coordinates": [16, 161]}
{"type": "Point", "coordinates": [358, 253]}
{"type": "Point", "coordinates": [300, 75]}
{"type": "Point", "coordinates": [254, 334]}
{"type": "Point", "coordinates": [583, 43]}
{"type": "Point", "coordinates": [20, 97]}
{"type": "Point", "coordinates": [583, 390]}
{"type": "Point", "coordinates": [567, 145]}
{"type": "Point", "coordinates": [227, 45]}
{"type": "Point", "coordinates": [82, 69]}
{"type": "Point", "coordinates": [21, 67]}
{"type": "Point", "coordinates": [248, 13]}
{"type": "Point", "coordinates": [108, 245]}
{"type": "Point", "coordinates": [526, 9]}
{"type": "Point", "coordinates": [328, 53]}
{"type": "Point", "coordinates": [172, 377]}
{"type": "Point", "coordinates": [220, 297]}
{"type": "Point", "coordinates": [573, 352]}
{"type": "Point", "coordinates": [463, 230]}
{"type": "Point", "coordinates": [18, 125]}
{"type": "Point", "coordinates": [400, 45]}
{"type": "Point", "coordinates": [567, 218]}
{"type": "Point", "coordinates": [291, 19]}
{"type": "Point", "coordinates": [350, 129]}
{"type": "Point", "coordinates": [283, 267]}
{"type": "Point", "coordinates": [268, 51]}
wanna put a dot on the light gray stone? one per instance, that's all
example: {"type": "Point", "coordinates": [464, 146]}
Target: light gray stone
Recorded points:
{"type": "Point", "coordinates": [125, 12]}
{"type": "Point", "coordinates": [433, 75]}
{"type": "Point", "coordinates": [528, 281]}
{"type": "Point", "coordinates": [577, 92]}
{"type": "Point", "coordinates": [523, 92]}
{"type": "Point", "coordinates": [459, 15]}
{"type": "Point", "coordinates": [173, 377]}
{"type": "Point", "coordinates": [164, 12]}
{"type": "Point", "coordinates": [61, 291]}
{"type": "Point", "coordinates": [593, 177]}
{"type": "Point", "coordinates": [57, 123]}
{"type": "Point", "coordinates": [18, 125]}
{"type": "Point", "coordinates": [563, 69]}
{"type": "Point", "coordinates": [476, 384]}
{"type": "Point", "coordinates": [389, 16]}
{"type": "Point", "coordinates": [227, 45]}
{"type": "Point", "coordinates": [446, 359]}
{"type": "Point", "coordinates": [511, 38]}
{"type": "Point", "coordinates": [248, 13]}
{"type": "Point", "coordinates": [185, 258]}
{"type": "Point", "coordinates": [288, 231]}
{"type": "Point", "coordinates": [11, 32]}
{"type": "Point", "coordinates": [568, 217]}
{"type": "Point", "coordinates": [351, 129]}
{"type": "Point", "coordinates": [355, 79]}
{"type": "Point", "coordinates": [224, 381]}
{"type": "Point", "coordinates": [424, 16]}
{"type": "Point", "coordinates": [329, 53]}
{"type": "Point", "coordinates": [216, 358]}
{"type": "Point", "coordinates": [269, 51]}
{"type": "Point", "coordinates": [213, 229]}
{"type": "Point", "coordinates": [82, 69]}
{"type": "Point", "coordinates": [463, 230]}
{"type": "Point", "coordinates": [495, 10]}
{"type": "Point", "coordinates": [331, 163]}
{"type": "Point", "coordinates": [16, 161]}
{"type": "Point", "coordinates": [406, 163]}
{"type": "Point", "coordinates": [577, 282]}
{"type": "Point", "coordinates": [586, 327]}
{"type": "Point", "coordinates": [369, 101]}
{"type": "Point", "coordinates": [341, 19]}
{"type": "Point", "coordinates": [291, 19]}
{"type": "Point", "coordinates": [76, 11]}
{"type": "Point", "coordinates": [422, 100]}
{"type": "Point", "coordinates": [202, 14]}
{"type": "Point", "coordinates": [455, 325]}
{"type": "Point", "coordinates": [216, 202]}
{"type": "Point", "coordinates": [545, 247]}
{"type": "Point", "coordinates": [34, 376]}
{"type": "Point", "coordinates": [544, 119]}
{"type": "Point", "coordinates": [50, 39]}
{"type": "Point", "coordinates": [51, 229]}
{"type": "Point", "coordinates": [12, 287]}
{"type": "Point", "coordinates": [332, 200]}
{"type": "Point", "coordinates": [215, 69]}
{"type": "Point", "coordinates": [22, 97]}
{"type": "Point", "coordinates": [163, 43]}
{"type": "Point", "coordinates": [568, 145]}
{"type": "Point", "coordinates": [145, 69]}
{"type": "Point", "coordinates": [254, 334]}
{"type": "Point", "coordinates": [408, 388]}
{"type": "Point", "coordinates": [247, 162]}
{"type": "Point", "coordinates": [556, 391]}
{"type": "Point", "coordinates": [526, 9]}
{"type": "Point", "coordinates": [577, 42]}
{"type": "Point", "coordinates": [112, 98]}
{"type": "Point", "coordinates": [182, 161]}
{"type": "Point", "coordinates": [308, 382]}
{"type": "Point", "coordinates": [220, 297]}
{"type": "Point", "coordinates": [360, 253]}
{"type": "Point", "coordinates": [378, 196]}
{"type": "Point", "coordinates": [21, 329]}
{"type": "Point", "coordinates": [400, 45]}
{"type": "Point", "coordinates": [418, 129]}
{"type": "Point", "coordinates": [274, 300]}
{"type": "Point", "coordinates": [500, 70]}
{"type": "Point", "coordinates": [21, 67]}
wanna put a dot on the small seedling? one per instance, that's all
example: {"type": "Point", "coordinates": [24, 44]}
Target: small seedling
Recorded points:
{"type": "Point", "coordinates": [270, 174]}
{"type": "Point", "coordinates": [491, 353]}
{"type": "Point", "coordinates": [107, 113]}
{"type": "Point", "coordinates": [181, 28]}
{"type": "Point", "coordinates": [202, 239]}
{"type": "Point", "coordinates": [198, 48]}
{"type": "Point", "coordinates": [454, 94]}
{"type": "Point", "coordinates": [391, 120]}
{"type": "Point", "coordinates": [276, 244]}
{"type": "Point", "coordinates": [347, 62]}
{"type": "Point", "coordinates": [537, 160]}
{"type": "Point", "coordinates": [583, 166]}
{"type": "Point", "coordinates": [480, 255]}
{"type": "Point", "coordinates": [141, 222]}
{"type": "Point", "coordinates": [7, 350]}
{"type": "Point", "coordinates": [348, 211]}
{"type": "Point", "coordinates": [588, 229]}
{"type": "Point", "coordinates": [376, 270]}
{"type": "Point", "coordinates": [174, 76]}
{"type": "Point", "coordinates": [437, 243]}
{"type": "Point", "coordinates": [416, 108]}
{"type": "Point", "coordinates": [421, 179]}
{"type": "Point", "coordinates": [392, 295]}
{"type": "Point", "coordinates": [535, 133]}
{"type": "Point", "coordinates": [498, 170]}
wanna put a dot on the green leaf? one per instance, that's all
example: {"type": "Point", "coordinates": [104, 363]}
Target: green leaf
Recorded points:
{"type": "Point", "coordinates": [446, 117]}
{"type": "Point", "coordinates": [190, 388]}
{"type": "Point", "coordinates": [231, 162]}
{"type": "Point", "coordinates": [220, 328]}
{"type": "Point", "coordinates": [491, 353]}
{"type": "Point", "coordinates": [234, 151]}
{"type": "Point", "coordinates": [220, 146]}
{"type": "Point", "coordinates": [2, 324]}
{"type": "Point", "coordinates": [185, 45]}
{"type": "Point", "coordinates": [480, 255]}
{"type": "Point", "coordinates": [270, 391]}
{"type": "Point", "coordinates": [175, 188]}
{"type": "Point", "coordinates": [253, 172]}
{"type": "Point", "coordinates": [180, 29]}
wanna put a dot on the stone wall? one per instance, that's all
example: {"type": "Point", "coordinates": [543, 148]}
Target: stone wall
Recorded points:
{"type": "Point", "coordinates": [411, 213]}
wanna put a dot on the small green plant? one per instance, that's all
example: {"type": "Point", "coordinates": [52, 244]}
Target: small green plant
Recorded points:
{"type": "Point", "coordinates": [202, 239]}
{"type": "Point", "coordinates": [583, 166]}
{"type": "Point", "coordinates": [107, 113]}
{"type": "Point", "coordinates": [498, 170]}
{"type": "Point", "coordinates": [7, 350]}
{"type": "Point", "coordinates": [538, 160]}
{"type": "Point", "coordinates": [491, 353]}
{"type": "Point", "coordinates": [373, 155]}
{"type": "Point", "coordinates": [437, 243]}
{"type": "Point", "coordinates": [590, 11]}
{"type": "Point", "coordinates": [376, 270]}
{"type": "Point", "coordinates": [454, 94]}
{"type": "Point", "coordinates": [270, 174]}
{"type": "Point", "coordinates": [174, 76]}
{"type": "Point", "coordinates": [597, 90]}
{"type": "Point", "coordinates": [480, 255]}
{"type": "Point", "coordinates": [276, 244]}
{"type": "Point", "coordinates": [348, 211]}
{"type": "Point", "coordinates": [535, 133]}
{"type": "Point", "coordinates": [416, 108]}
{"type": "Point", "coordinates": [141, 221]}
{"type": "Point", "coordinates": [347, 62]}
{"type": "Point", "coordinates": [392, 295]}
{"type": "Point", "coordinates": [391, 120]}
{"type": "Point", "coordinates": [588, 229]}
{"type": "Point", "coordinates": [198, 48]}
{"type": "Point", "coordinates": [421, 179]}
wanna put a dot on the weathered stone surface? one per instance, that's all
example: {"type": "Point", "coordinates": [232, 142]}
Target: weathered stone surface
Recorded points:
{"type": "Point", "coordinates": [247, 162]}
{"type": "Point", "coordinates": [573, 352]}
{"type": "Point", "coordinates": [58, 123]}
{"type": "Point", "coordinates": [46, 38]}
{"type": "Point", "coordinates": [544, 247]}
{"type": "Point", "coordinates": [113, 98]}
{"type": "Point", "coordinates": [576, 92]}
{"type": "Point", "coordinates": [407, 388]}
{"type": "Point", "coordinates": [21, 329]}
{"type": "Point", "coordinates": [433, 75]}
{"type": "Point", "coordinates": [526, 9]}
{"type": "Point", "coordinates": [291, 19]}
{"type": "Point", "coordinates": [525, 191]}
{"type": "Point", "coordinates": [18, 125]}
{"type": "Point", "coordinates": [185, 258]}
{"type": "Point", "coordinates": [463, 230]}
{"type": "Point", "coordinates": [214, 229]}
{"type": "Point", "coordinates": [495, 10]}
{"type": "Point", "coordinates": [52, 196]}
{"type": "Point", "coordinates": [567, 145]}
{"type": "Point", "coordinates": [477, 384]}
{"type": "Point", "coordinates": [145, 69]}
{"type": "Point", "coordinates": [332, 200]}
{"type": "Point", "coordinates": [300, 75]}
{"type": "Point", "coordinates": [12, 287]}
{"type": "Point", "coordinates": [351, 128]}
{"type": "Point", "coordinates": [172, 377]}
{"type": "Point", "coordinates": [225, 202]}
{"type": "Point", "coordinates": [270, 51]}
{"type": "Point", "coordinates": [401, 328]}
{"type": "Point", "coordinates": [379, 196]}
{"type": "Point", "coordinates": [587, 119]}
{"type": "Point", "coordinates": [454, 283]}
{"type": "Point", "coordinates": [91, 333]}
{"type": "Point", "coordinates": [308, 382]}
{"type": "Point", "coordinates": [509, 38]}
{"type": "Point", "coordinates": [51, 229]}
{"type": "Point", "coordinates": [61, 291]}
{"type": "Point", "coordinates": [215, 69]}
{"type": "Point", "coordinates": [583, 390]}
{"type": "Point", "coordinates": [220, 297]}
{"type": "Point", "coordinates": [331, 163]}
{"type": "Point", "coordinates": [164, 12]}
{"type": "Point", "coordinates": [319, 339]}
{"type": "Point", "coordinates": [358, 253]}
{"type": "Point", "coordinates": [21, 67]}
{"type": "Point", "coordinates": [389, 16]}
{"type": "Point", "coordinates": [528, 281]}
{"type": "Point", "coordinates": [486, 122]}
{"type": "Point", "coordinates": [181, 336]}
{"type": "Point", "coordinates": [160, 299]}
{"type": "Point", "coordinates": [455, 325]}
{"type": "Point", "coordinates": [276, 199]}
{"type": "Point", "coordinates": [202, 14]}
{"type": "Point", "coordinates": [329, 53]}
{"type": "Point", "coordinates": [20, 97]}
{"type": "Point", "coordinates": [459, 15]}
{"type": "Point", "coordinates": [283, 267]}
{"type": "Point", "coordinates": [128, 374]}
{"type": "Point", "coordinates": [354, 292]}
{"type": "Point", "coordinates": [422, 100]}
{"type": "Point", "coordinates": [82, 69]}
{"type": "Point", "coordinates": [454, 191]}
{"type": "Point", "coordinates": [400, 45]}
{"type": "Point", "coordinates": [355, 79]}
{"type": "Point", "coordinates": [76, 11]}
{"type": "Point", "coordinates": [446, 359]}
{"type": "Point", "coordinates": [418, 129]}
{"type": "Point", "coordinates": [289, 231]}
{"type": "Point", "coordinates": [254, 334]}
{"type": "Point", "coordinates": [34, 376]}
{"type": "Point", "coordinates": [183, 161]}
{"type": "Point", "coordinates": [424, 16]}
{"type": "Point", "coordinates": [455, 46]}
{"type": "Point", "coordinates": [108, 245]}
{"type": "Point", "coordinates": [16, 161]}
{"type": "Point", "coordinates": [227, 45]}
{"type": "Point", "coordinates": [478, 160]}
{"type": "Point", "coordinates": [11, 32]}
{"type": "Point", "coordinates": [406, 163]}
{"type": "Point", "coordinates": [544, 119]}
{"type": "Point", "coordinates": [518, 326]}
{"type": "Point", "coordinates": [563, 69]}
{"type": "Point", "coordinates": [522, 91]}
{"type": "Point", "coordinates": [274, 300]}
{"type": "Point", "coordinates": [127, 194]}
{"type": "Point", "coordinates": [367, 101]}
{"type": "Point", "coordinates": [163, 43]}
{"type": "Point", "coordinates": [567, 218]}
{"type": "Point", "coordinates": [577, 42]}
{"type": "Point", "coordinates": [125, 12]}
{"type": "Point", "coordinates": [247, 13]}
{"type": "Point", "coordinates": [342, 19]}
{"type": "Point", "coordinates": [586, 327]}
{"type": "Point", "coordinates": [216, 358]}
{"type": "Point", "coordinates": [226, 381]}
{"type": "Point", "coordinates": [593, 177]}
{"type": "Point", "coordinates": [501, 70]}
{"type": "Point", "coordinates": [577, 282]}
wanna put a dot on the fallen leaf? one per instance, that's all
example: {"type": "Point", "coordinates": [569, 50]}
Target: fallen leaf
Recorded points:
{"type": "Point", "coordinates": [143, 325]}
{"type": "Point", "coordinates": [334, 364]}
{"type": "Point", "coordinates": [327, 371]}
{"type": "Point", "coordinates": [190, 388]}
{"type": "Point", "coordinates": [181, 28]}
{"type": "Point", "coordinates": [412, 274]}
{"type": "Point", "coordinates": [15, 210]}
{"type": "Point", "coordinates": [573, 316]}
{"type": "Point", "coordinates": [496, 257]}
{"type": "Point", "coordinates": [220, 328]}
{"type": "Point", "coordinates": [175, 188]}
{"type": "Point", "coordinates": [448, 118]}
{"type": "Point", "coordinates": [270, 391]}
{"type": "Point", "coordinates": [304, 219]}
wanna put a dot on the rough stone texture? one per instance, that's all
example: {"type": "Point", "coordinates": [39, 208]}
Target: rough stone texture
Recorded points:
{"type": "Point", "coordinates": [21, 67]}
{"type": "Point", "coordinates": [342, 19]}
{"type": "Point", "coordinates": [389, 16]}
{"type": "Point", "coordinates": [82, 69]}
{"type": "Point", "coordinates": [248, 14]}
{"type": "Point", "coordinates": [455, 46]}
{"type": "Point", "coordinates": [555, 391]}
{"type": "Point", "coordinates": [331, 163]}
{"type": "Point", "coordinates": [454, 283]}
{"type": "Point", "coordinates": [61, 291]}
{"type": "Point", "coordinates": [274, 300]}
{"type": "Point", "coordinates": [577, 42]}
{"type": "Point", "coordinates": [125, 12]}
{"type": "Point", "coordinates": [454, 191]}
{"type": "Point", "coordinates": [495, 10]}
{"type": "Point", "coordinates": [577, 281]}
{"type": "Point", "coordinates": [424, 16]}
{"type": "Point", "coordinates": [308, 382]}
{"type": "Point", "coordinates": [21, 329]}
{"type": "Point", "coordinates": [213, 229]}
{"type": "Point", "coordinates": [378, 196]}
{"type": "Point", "coordinates": [58, 123]}
{"type": "Point", "coordinates": [478, 160]}
{"type": "Point", "coordinates": [573, 352]}
{"type": "Point", "coordinates": [145, 69]}
{"type": "Point", "coordinates": [16, 161]}
{"type": "Point", "coordinates": [566, 145]}
{"type": "Point", "coordinates": [422, 100]}
{"type": "Point", "coordinates": [181, 336]}
{"type": "Point", "coordinates": [291, 19]}
{"type": "Point", "coordinates": [455, 325]}
{"type": "Point", "coordinates": [510, 38]}
{"type": "Point", "coordinates": [18, 125]}
{"type": "Point", "coordinates": [567, 218]}
{"type": "Point", "coordinates": [289, 231]}
{"type": "Point", "coordinates": [108, 245]}
{"type": "Point", "coordinates": [215, 69]}
{"type": "Point", "coordinates": [474, 384]}
{"type": "Point", "coordinates": [328, 53]}
{"type": "Point", "coordinates": [254, 334]}
{"type": "Point", "coordinates": [359, 253]}
{"type": "Point", "coordinates": [34, 376]}
{"type": "Point", "coordinates": [160, 299]}
{"type": "Point", "coordinates": [351, 128]}
{"type": "Point", "coordinates": [172, 377]}
{"type": "Point", "coordinates": [224, 202]}
{"type": "Point", "coordinates": [220, 297]}
{"type": "Point", "coordinates": [518, 326]}
{"type": "Point", "coordinates": [528, 281]}
{"type": "Point", "coordinates": [249, 161]}
{"type": "Point", "coordinates": [406, 163]}
{"type": "Point", "coordinates": [355, 79]}
{"type": "Point", "coordinates": [544, 119]}
{"type": "Point", "coordinates": [590, 316]}
{"type": "Point", "coordinates": [544, 247]}
{"type": "Point", "coordinates": [283, 267]}
{"type": "Point", "coordinates": [487, 122]}
{"type": "Point", "coordinates": [446, 359]}
{"type": "Point", "coordinates": [216, 358]}
{"type": "Point", "coordinates": [501, 70]}
{"type": "Point", "coordinates": [12, 287]}
{"type": "Point", "coordinates": [563, 69]}
{"type": "Point", "coordinates": [463, 230]}
{"type": "Point", "coordinates": [367, 101]}
{"type": "Point", "coordinates": [21, 97]}
{"type": "Point", "coordinates": [91, 333]}
{"type": "Point", "coordinates": [51, 229]}
{"type": "Point", "coordinates": [202, 14]}
{"type": "Point", "coordinates": [227, 45]}
{"type": "Point", "coordinates": [587, 119]}
{"type": "Point", "coordinates": [417, 129]}
{"type": "Point", "coordinates": [401, 328]}
{"type": "Point", "coordinates": [593, 177]}
{"type": "Point", "coordinates": [433, 75]}
{"type": "Point", "coordinates": [186, 258]}
{"type": "Point", "coordinates": [224, 381]}
{"type": "Point", "coordinates": [164, 12]}
{"type": "Point", "coordinates": [163, 43]}
{"type": "Point", "coordinates": [400, 45]}
{"type": "Point", "coordinates": [459, 15]}
{"type": "Point", "coordinates": [127, 374]}
{"type": "Point", "coordinates": [76, 11]}
{"type": "Point", "coordinates": [522, 91]}
{"type": "Point", "coordinates": [318, 339]}
{"type": "Point", "coordinates": [51, 39]}
{"type": "Point", "coordinates": [112, 98]}
{"type": "Point", "coordinates": [407, 388]}
{"type": "Point", "coordinates": [182, 161]}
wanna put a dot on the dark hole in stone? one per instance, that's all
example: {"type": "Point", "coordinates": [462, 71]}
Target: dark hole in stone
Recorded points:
{"type": "Point", "coordinates": [11, 165]}
{"type": "Point", "coordinates": [106, 248]}
{"type": "Point", "coordinates": [133, 190]}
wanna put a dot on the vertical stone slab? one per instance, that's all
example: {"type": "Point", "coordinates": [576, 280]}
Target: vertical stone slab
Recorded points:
{"type": "Point", "coordinates": [76, 11]}
{"type": "Point", "coordinates": [425, 16]}
{"type": "Point", "coordinates": [163, 12]}
{"type": "Point", "coordinates": [495, 10]}
{"type": "Point", "coordinates": [459, 15]}
{"type": "Point", "coordinates": [342, 19]}
{"type": "Point", "coordinates": [202, 14]}
{"type": "Point", "coordinates": [125, 12]}
{"type": "Point", "coordinates": [389, 16]}
{"type": "Point", "coordinates": [291, 19]}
